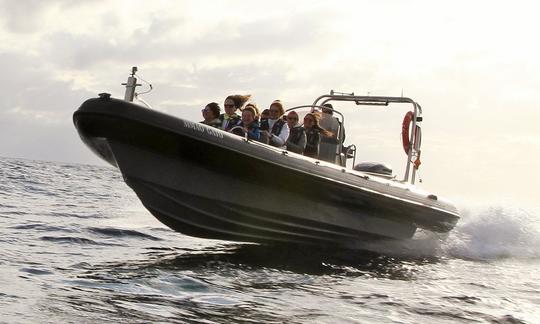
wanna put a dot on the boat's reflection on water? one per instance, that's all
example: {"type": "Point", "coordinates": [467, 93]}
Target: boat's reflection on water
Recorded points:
{"type": "Point", "coordinates": [229, 282]}
{"type": "Point", "coordinates": [295, 259]}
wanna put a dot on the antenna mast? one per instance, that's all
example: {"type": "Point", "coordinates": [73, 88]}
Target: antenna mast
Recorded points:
{"type": "Point", "coordinates": [131, 84]}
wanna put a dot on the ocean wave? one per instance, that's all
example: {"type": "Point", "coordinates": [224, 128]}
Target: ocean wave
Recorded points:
{"type": "Point", "coordinates": [75, 240]}
{"type": "Point", "coordinates": [36, 271]}
{"type": "Point", "coordinates": [44, 228]}
{"type": "Point", "coordinates": [118, 232]}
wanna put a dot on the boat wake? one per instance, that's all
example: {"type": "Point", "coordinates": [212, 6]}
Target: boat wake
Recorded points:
{"type": "Point", "coordinates": [490, 233]}
{"type": "Point", "coordinates": [495, 232]}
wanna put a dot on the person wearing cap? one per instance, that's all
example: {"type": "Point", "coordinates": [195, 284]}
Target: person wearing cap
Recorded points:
{"type": "Point", "coordinates": [275, 129]}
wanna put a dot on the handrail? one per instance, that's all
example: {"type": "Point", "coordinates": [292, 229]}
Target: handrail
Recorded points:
{"type": "Point", "coordinates": [414, 137]}
{"type": "Point", "coordinates": [368, 100]}
{"type": "Point", "coordinates": [241, 128]}
{"type": "Point", "coordinates": [317, 106]}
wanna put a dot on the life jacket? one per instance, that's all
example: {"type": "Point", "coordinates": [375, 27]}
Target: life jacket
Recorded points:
{"type": "Point", "coordinates": [253, 130]}
{"type": "Point", "coordinates": [276, 129]}
{"type": "Point", "coordinates": [233, 121]}
{"type": "Point", "coordinates": [214, 123]}
{"type": "Point", "coordinates": [313, 140]}
{"type": "Point", "coordinates": [295, 134]}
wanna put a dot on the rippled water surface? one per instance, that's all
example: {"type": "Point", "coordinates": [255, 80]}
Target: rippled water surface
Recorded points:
{"type": "Point", "coordinates": [78, 247]}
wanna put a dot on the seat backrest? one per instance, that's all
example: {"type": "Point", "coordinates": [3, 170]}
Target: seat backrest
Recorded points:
{"type": "Point", "coordinates": [330, 123]}
{"type": "Point", "coordinates": [329, 149]}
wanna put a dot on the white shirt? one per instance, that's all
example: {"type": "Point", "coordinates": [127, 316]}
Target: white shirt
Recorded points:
{"type": "Point", "coordinates": [280, 139]}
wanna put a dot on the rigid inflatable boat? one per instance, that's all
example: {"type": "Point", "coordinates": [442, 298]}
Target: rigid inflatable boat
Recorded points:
{"type": "Point", "coordinates": [208, 183]}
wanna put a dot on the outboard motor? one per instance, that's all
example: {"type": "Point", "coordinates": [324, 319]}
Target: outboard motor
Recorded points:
{"type": "Point", "coordinates": [374, 167]}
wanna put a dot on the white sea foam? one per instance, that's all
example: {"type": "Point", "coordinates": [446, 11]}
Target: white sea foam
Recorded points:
{"type": "Point", "coordinates": [482, 233]}
{"type": "Point", "coordinates": [495, 232]}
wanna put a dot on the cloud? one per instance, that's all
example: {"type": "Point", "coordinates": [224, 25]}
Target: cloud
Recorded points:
{"type": "Point", "coordinates": [36, 110]}
{"type": "Point", "coordinates": [475, 74]}
{"type": "Point", "coordinates": [23, 16]}
{"type": "Point", "coordinates": [166, 40]}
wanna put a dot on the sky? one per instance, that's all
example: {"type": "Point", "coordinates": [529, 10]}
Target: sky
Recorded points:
{"type": "Point", "coordinates": [472, 65]}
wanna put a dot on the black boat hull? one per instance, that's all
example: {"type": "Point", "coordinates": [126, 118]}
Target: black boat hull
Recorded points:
{"type": "Point", "coordinates": [207, 183]}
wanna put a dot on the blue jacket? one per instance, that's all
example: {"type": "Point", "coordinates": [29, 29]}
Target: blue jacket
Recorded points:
{"type": "Point", "coordinates": [253, 133]}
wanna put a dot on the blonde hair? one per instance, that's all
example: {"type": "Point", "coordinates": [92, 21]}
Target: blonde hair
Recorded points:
{"type": "Point", "coordinates": [278, 104]}
{"type": "Point", "coordinates": [253, 107]}
{"type": "Point", "coordinates": [294, 113]}
{"type": "Point", "coordinates": [316, 115]}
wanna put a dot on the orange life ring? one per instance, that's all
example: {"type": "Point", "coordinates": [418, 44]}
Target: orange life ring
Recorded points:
{"type": "Point", "coordinates": [405, 130]}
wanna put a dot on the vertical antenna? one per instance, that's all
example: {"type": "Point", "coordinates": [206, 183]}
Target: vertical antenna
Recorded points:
{"type": "Point", "coordinates": [130, 85]}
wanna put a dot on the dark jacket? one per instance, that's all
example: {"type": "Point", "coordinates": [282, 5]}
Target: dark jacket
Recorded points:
{"type": "Point", "coordinates": [313, 141]}
{"type": "Point", "coordinates": [276, 129]}
{"type": "Point", "coordinates": [227, 124]}
{"type": "Point", "coordinates": [214, 123]}
{"type": "Point", "coordinates": [297, 140]}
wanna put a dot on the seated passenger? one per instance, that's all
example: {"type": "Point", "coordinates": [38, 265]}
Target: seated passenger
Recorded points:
{"type": "Point", "coordinates": [256, 109]}
{"type": "Point", "coordinates": [313, 134]}
{"type": "Point", "coordinates": [211, 115]}
{"type": "Point", "coordinates": [275, 128]}
{"type": "Point", "coordinates": [265, 114]}
{"type": "Point", "coordinates": [331, 123]}
{"type": "Point", "coordinates": [297, 135]}
{"type": "Point", "coordinates": [233, 102]}
{"type": "Point", "coordinates": [331, 146]}
{"type": "Point", "coordinates": [249, 124]}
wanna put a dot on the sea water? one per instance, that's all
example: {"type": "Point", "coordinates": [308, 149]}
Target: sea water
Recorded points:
{"type": "Point", "coordinates": [77, 246]}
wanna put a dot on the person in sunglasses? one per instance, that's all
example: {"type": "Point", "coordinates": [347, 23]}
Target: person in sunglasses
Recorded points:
{"type": "Point", "coordinates": [296, 142]}
{"type": "Point", "coordinates": [275, 129]}
{"type": "Point", "coordinates": [232, 103]}
{"type": "Point", "coordinates": [210, 114]}
{"type": "Point", "coordinates": [313, 134]}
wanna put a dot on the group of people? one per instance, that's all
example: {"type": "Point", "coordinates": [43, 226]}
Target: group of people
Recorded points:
{"type": "Point", "coordinates": [271, 126]}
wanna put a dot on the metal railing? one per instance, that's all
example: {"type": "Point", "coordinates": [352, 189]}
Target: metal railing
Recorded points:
{"type": "Point", "coordinates": [413, 151]}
